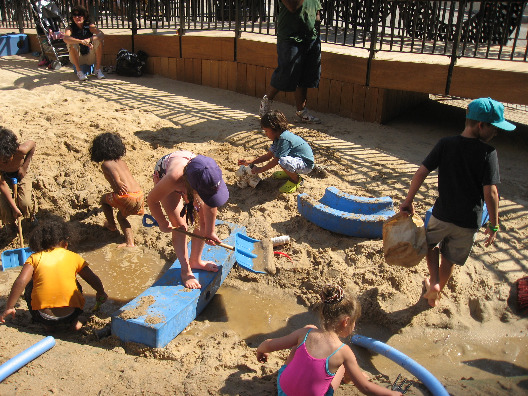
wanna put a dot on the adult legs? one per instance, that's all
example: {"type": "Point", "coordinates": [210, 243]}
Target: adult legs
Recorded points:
{"type": "Point", "coordinates": [73, 50]}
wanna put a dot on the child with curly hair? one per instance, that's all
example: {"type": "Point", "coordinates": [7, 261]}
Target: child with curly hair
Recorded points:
{"type": "Point", "coordinates": [15, 158]}
{"type": "Point", "coordinates": [291, 152]}
{"type": "Point", "coordinates": [127, 195]}
{"type": "Point", "coordinates": [49, 277]}
{"type": "Point", "coordinates": [318, 360]}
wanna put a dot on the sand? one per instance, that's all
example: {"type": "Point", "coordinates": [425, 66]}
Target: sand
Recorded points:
{"type": "Point", "coordinates": [474, 342]}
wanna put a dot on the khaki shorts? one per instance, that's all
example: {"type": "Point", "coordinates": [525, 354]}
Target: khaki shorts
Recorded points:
{"type": "Point", "coordinates": [89, 58]}
{"type": "Point", "coordinates": [455, 242]}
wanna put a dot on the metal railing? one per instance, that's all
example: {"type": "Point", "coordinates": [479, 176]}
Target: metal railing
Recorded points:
{"type": "Point", "coordinates": [479, 29]}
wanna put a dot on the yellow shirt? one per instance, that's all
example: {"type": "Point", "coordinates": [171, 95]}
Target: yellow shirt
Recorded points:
{"type": "Point", "coordinates": [54, 276]}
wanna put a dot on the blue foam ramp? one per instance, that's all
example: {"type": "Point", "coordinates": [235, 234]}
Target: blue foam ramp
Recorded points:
{"type": "Point", "coordinates": [485, 216]}
{"type": "Point", "coordinates": [15, 257]}
{"type": "Point", "coordinates": [173, 307]}
{"type": "Point", "coordinates": [347, 214]}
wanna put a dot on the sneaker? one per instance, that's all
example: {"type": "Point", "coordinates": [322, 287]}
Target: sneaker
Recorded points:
{"type": "Point", "coordinates": [81, 76]}
{"type": "Point", "coordinates": [290, 187]}
{"type": "Point", "coordinates": [99, 74]}
{"type": "Point", "coordinates": [280, 175]}
{"type": "Point", "coordinates": [265, 105]}
{"type": "Point", "coordinates": [304, 116]}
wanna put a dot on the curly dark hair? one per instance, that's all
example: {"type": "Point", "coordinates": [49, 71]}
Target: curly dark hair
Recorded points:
{"type": "Point", "coordinates": [78, 9]}
{"type": "Point", "coordinates": [8, 143]}
{"type": "Point", "coordinates": [107, 147]}
{"type": "Point", "coordinates": [49, 233]}
{"type": "Point", "coordinates": [335, 304]}
{"type": "Point", "coordinates": [275, 120]}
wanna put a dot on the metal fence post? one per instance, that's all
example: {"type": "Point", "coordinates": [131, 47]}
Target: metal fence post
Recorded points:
{"type": "Point", "coordinates": [373, 38]}
{"type": "Point", "coordinates": [456, 41]}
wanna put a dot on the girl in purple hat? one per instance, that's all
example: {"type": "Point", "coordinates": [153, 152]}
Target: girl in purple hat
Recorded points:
{"type": "Point", "coordinates": [185, 185]}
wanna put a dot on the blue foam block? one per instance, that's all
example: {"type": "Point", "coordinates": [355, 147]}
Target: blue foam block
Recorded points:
{"type": "Point", "coordinates": [14, 44]}
{"type": "Point", "coordinates": [173, 306]}
{"type": "Point", "coordinates": [347, 214]}
{"type": "Point", "coordinates": [485, 216]}
{"type": "Point", "coordinates": [15, 257]}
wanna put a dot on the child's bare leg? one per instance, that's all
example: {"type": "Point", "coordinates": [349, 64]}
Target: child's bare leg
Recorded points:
{"type": "Point", "coordinates": [127, 230]}
{"type": "Point", "coordinates": [432, 292]}
{"type": "Point", "coordinates": [179, 242]}
{"type": "Point", "coordinates": [294, 177]}
{"type": "Point", "coordinates": [195, 260]}
{"type": "Point", "coordinates": [109, 214]}
{"type": "Point", "coordinates": [446, 269]}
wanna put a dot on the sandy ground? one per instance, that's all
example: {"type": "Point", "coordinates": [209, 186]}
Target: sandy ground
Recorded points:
{"type": "Point", "coordinates": [474, 342]}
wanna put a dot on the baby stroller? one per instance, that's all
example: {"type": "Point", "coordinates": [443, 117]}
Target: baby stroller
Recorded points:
{"type": "Point", "coordinates": [50, 28]}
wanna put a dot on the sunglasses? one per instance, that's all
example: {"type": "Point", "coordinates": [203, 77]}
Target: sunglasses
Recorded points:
{"type": "Point", "coordinates": [77, 15]}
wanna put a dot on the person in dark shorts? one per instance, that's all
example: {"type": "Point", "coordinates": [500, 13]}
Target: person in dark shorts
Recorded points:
{"type": "Point", "coordinates": [468, 172]}
{"type": "Point", "coordinates": [299, 56]}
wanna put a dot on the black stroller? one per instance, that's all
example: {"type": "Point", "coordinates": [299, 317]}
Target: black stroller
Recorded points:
{"type": "Point", "coordinates": [49, 25]}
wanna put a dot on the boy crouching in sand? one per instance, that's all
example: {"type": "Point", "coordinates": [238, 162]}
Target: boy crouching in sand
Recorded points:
{"type": "Point", "coordinates": [127, 196]}
{"type": "Point", "coordinates": [291, 152]}
{"type": "Point", "coordinates": [49, 277]}
{"type": "Point", "coordinates": [14, 163]}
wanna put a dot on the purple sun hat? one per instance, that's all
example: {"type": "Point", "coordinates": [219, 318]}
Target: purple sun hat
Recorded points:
{"type": "Point", "coordinates": [205, 177]}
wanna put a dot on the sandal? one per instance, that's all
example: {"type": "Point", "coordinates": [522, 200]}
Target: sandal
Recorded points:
{"type": "Point", "coordinates": [290, 187]}
{"type": "Point", "coordinates": [280, 175]}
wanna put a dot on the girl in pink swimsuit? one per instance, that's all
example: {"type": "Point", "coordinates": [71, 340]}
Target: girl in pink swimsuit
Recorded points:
{"type": "Point", "coordinates": [318, 360]}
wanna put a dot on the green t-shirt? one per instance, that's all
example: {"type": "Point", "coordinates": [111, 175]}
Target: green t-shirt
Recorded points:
{"type": "Point", "coordinates": [299, 25]}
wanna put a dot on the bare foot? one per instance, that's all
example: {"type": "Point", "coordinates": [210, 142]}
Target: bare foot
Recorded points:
{"type": "Point", "coordinates": [190, 282]}
{"type": "Point", "coordinates": [76, 326]}
{"type": "Point", "coordinates": [432, 294]}
{"type": "Point", "coordinates": [111, 227]}
{"type": "Point", "coordinates": [125, 245]}
{"type": "Point", "coordinates": [206, 266]}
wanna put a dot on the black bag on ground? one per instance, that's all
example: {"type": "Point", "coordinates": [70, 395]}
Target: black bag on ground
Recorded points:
{"type": "Point", "coordinates": [130, 64]}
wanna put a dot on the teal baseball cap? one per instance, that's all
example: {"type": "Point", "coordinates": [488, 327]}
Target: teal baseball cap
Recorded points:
{"type": "Point", "coordinates": [490, 111]}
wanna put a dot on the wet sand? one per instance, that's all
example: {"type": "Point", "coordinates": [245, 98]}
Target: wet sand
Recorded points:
{"type": "Point", "coordinates": [474, 342]}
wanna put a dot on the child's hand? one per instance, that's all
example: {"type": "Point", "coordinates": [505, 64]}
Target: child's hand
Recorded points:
{"type": "Point", "coordinates": [165, 226]}
{"type": "Point", "coordinates": [123, 189]}
{"type": "Point", "coordinates": [10, 311]}
{"type": "Point", "coordinates": [243, 162]}
{"type": "Point", "coordinates": [407, 208]}
{"type": "Point", "coordinates": [262, 357]}
{"type": "Point", "coordinates": [17, 213]}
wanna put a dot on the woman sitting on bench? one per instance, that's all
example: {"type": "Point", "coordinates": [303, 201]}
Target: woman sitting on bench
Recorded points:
{"type": "Point", "coordinates": [84, 42]}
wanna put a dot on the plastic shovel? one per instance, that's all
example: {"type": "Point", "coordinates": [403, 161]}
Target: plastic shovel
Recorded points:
{"type": "Point", "coordinates": [243, 248]}
{"type": "Point", "coordinates": [15, 257]}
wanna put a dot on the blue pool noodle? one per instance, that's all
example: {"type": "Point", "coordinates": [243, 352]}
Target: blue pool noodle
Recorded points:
{"type": "Point", "coordinates": [25, 357]}
{"type": "Point", "coordinates": [434, 386]}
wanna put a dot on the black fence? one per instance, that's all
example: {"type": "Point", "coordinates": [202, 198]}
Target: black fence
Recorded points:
{"type": "Point", "coordinates": [480, 29]}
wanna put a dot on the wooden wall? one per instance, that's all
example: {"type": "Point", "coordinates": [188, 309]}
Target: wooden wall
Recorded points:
{"type": "Point", "coordinates": [395, 84]}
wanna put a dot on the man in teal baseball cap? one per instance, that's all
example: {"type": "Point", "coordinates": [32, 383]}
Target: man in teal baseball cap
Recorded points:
{"type": "Point", "coordinates": [468, 174]}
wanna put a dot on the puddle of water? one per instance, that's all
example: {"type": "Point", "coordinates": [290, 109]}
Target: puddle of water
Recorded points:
{"type": "Point", "coordinates": [125, 272]}
{"type": "Point", "coordinates": [253, 316]}
{"type": "Point", "coordinates": [448, 355]}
